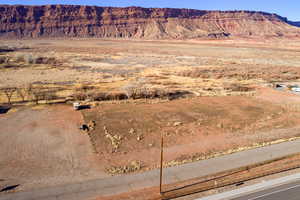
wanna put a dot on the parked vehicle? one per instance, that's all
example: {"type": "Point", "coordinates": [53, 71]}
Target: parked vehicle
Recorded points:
{"type": "Point", "coordinates": [76, 105]}
{"type": "Point", "coordinates": [79, 106]}
{"type": "Point", "coordinates": [296, 89]}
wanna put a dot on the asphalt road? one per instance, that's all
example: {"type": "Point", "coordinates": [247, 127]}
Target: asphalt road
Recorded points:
{"type": "Point", "coordinates": [289, 191]}
{"type": "Point", "coordinates": [119, 184]}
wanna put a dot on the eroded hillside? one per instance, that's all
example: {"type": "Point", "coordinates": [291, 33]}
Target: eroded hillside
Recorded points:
{"type": "Point", "coordinates": [136, 22]}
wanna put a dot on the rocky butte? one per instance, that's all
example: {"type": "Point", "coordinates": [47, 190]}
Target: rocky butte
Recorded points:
{"type": "Point", "coordinates": [136, 22]}
{"type": "Point", "coordinates": [295, 23]}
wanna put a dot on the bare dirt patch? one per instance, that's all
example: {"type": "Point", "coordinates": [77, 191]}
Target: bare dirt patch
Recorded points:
{"type": "Point", "coordinates": [192, 128]}
{"type": "Point", "coordinates": [43, 147]}
{"type": "Point", "coordinates": [222, 102]}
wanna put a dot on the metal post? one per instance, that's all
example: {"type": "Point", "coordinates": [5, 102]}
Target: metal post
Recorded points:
{"type": "Point", "coordinates": [161, 163]}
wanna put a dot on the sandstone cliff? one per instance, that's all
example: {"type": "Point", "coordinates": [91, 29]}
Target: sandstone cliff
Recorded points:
{"type": "Point", "coordinates": [295, 23]}
{"type": "Point", "coordinates": [136, 22]}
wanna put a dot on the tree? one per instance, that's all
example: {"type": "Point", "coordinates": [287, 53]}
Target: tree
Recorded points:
{"type": "Point", "coordinates": [49, 94]}
{"type": "Point", "coordinates": [22, 93]}
{"type": "Point", "coordinates": [85, 88]}
{"type": "Point", "coordinates": [9, 91]}
{"type": "Point", "coordinates": [134, 90]}
{"type": "Point", "coordinates": [131, 91]}
{"type": "Point", "coordinates": [43, 93]}
{"type": "Point", "coordinates": [37, 94]}
{"type": "Point", "coordinates": [28, 90]}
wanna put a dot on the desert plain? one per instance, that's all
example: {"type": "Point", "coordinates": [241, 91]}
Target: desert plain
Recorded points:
{"type": "Point", "coordinates": [205, 97]}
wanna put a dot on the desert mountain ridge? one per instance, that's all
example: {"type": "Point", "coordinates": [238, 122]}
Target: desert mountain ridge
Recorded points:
{"type": "Point", "coordinates": [294, 23]}
{"type": "Point", "coordinates": [137, 22]}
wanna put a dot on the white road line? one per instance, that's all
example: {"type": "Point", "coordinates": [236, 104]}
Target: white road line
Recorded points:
{"type": "Point", "coordinates": [275, 192]}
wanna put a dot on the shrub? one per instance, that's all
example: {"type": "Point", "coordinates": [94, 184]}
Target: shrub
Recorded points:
{"type": "Point", "coordinates": [44, 60]}
{"type": "Point", "coordinates": [50, 95]}
{"type": "Point", "coordinates": [116, 96]}
{"type": "Point", "coordinates": [136, 89]}
{"type": "Point", "coordinates": [120, 96]}
{"type": "Point", "coordinates": [97, 96]}
{"type": "Point", "coordinates": [238, 88]}
{"type": "Point", "coordinates": [80, 96]}
{"type": "Point", "coordinates": [19, 57]}
{"type": "Point", "coordinates": [84, 88]}
{"type": "Point", "coordinates": [6, 48]}
{"type": "Point", "coordinates": [21, 93]}
{"type": "Point", "coordinates": [4, 60]}
{"type": "Point", "coordinates": [42, 93]}
{"type": "Point", "coordinates": [37, 95]}
{"type": "Point", "coordinates": [29, 58]}
{"type": "Point", "coordinates": [162, 93]}
{"type": "Point", "coordinates": [131, 91]}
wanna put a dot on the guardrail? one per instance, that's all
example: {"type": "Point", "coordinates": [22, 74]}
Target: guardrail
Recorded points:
{"type": "Point", "coordinates": [232, 177]}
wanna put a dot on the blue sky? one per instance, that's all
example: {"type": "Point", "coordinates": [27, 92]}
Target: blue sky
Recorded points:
{"type": "Point", "coordinates": [287, 8]}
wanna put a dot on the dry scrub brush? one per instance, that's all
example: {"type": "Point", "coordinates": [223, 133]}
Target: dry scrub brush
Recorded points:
{"type": "Point", "coordinates": [130, 91]}
{"type": "Point", "coordinates": [235, 87]}
{"type": "Point", "coordinates": [130, 168]}
{"type": "Point", "coordinates": [140, 90]}
{"type": "Point", "coordinates": [268, 74]}
{"type": "Point", "coordinates": [6, 48]}
{"type": "Point", "coordinates": [30, 58]}
{"type": "Point", "coordinates": [4, 59]}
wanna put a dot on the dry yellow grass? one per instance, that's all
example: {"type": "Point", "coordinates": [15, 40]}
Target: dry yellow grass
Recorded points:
{"type": "Point", "coordinates": [111, 65]}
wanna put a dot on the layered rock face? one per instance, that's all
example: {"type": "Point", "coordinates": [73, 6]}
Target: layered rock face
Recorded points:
{"type": "Point", "coordinates": [136, 22]}
{"type": "Point", "coordinates": [295, 23]}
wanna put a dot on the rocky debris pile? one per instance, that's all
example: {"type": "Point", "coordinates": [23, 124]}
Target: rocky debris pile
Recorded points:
{"type": "Point", "coordinates": [132, 167]}
{"type": "Point", "coordinates": [114, 139]}
{"type": "Point", "coordinates": [88, 127]}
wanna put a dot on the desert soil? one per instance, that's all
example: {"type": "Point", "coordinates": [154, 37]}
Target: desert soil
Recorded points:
{"type": "Point", "coordinates": [191, 127]}
{"type": "Point", "coordinates": [42, 146]}
{"type": "Point", "coordinates": [112, 64]}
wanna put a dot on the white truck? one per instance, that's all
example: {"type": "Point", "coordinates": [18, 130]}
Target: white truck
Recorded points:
{"type": "Point", "coordinates": [76, 105]}
{"type": "Point", "coordinates": [296, 89]}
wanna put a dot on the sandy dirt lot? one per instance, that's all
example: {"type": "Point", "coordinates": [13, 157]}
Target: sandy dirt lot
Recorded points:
{"type": "Point", "coordinates": [42, 146]}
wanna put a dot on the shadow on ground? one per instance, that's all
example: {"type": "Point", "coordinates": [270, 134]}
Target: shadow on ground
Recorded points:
{"type": "Point", "coordinates": [8, 188]}
{"type": "Point", "coordinates": [4, 109]}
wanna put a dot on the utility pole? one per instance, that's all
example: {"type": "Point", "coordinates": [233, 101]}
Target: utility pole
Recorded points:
{"type": "Point", "coordinates": [161, 163]}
